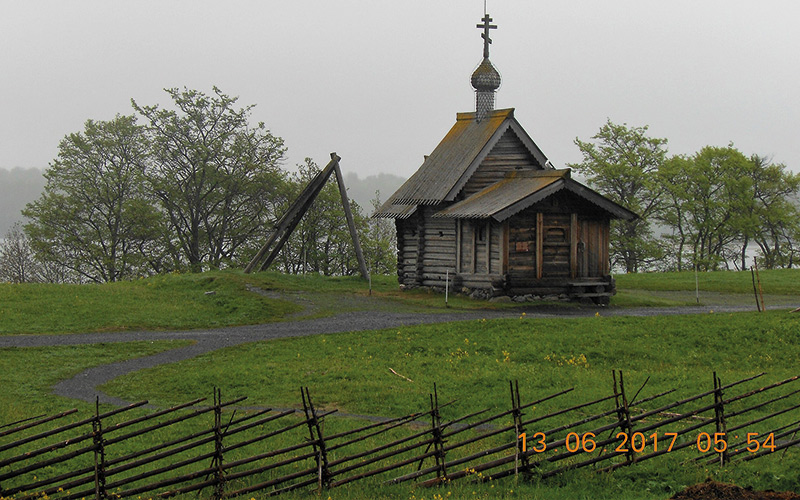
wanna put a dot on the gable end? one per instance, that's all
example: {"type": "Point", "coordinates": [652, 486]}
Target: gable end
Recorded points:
{"type": "Point", "coordinates": [509, 149]}
{"type": "Point", "coordinates": [508, 155]}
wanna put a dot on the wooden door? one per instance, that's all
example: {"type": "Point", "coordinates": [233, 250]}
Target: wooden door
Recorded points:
{"type": "Point", "coordinates": [522, 247]}
{"type": "Point", "coordinates": [555, 245]}
{"type": "Point", "coordinates": [593, 247]}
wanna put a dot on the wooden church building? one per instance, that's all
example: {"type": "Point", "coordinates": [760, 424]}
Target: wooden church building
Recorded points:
{"type": "Point", "coordinates": [487, 212]}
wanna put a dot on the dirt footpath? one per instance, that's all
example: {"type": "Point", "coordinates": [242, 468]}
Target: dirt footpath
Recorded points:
{"type": "Point", "coordinates": [84, 385]}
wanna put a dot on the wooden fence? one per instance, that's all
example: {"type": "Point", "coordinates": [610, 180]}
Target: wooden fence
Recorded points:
{"type": "Point", "coordinates": [102, 458]}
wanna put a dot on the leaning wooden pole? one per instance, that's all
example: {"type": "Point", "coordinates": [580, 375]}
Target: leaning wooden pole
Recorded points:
{"type": "Point", "coordinates": [350, 222]}
{"type": "Point", "coordinates": [292, 217]}
{"type": "Point", "coordinates": [755, 290]}
{"type": "Point", "coordinates": [287, 224]}
{"type": "Point", "coordinates": [760, 291]}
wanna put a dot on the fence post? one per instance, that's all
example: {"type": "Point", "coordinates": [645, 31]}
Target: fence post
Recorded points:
{"type": "Point", "coordinates": [99, 454]}
{"type": "Point", "coordinates": [436, 433]}
{"type": "Point", "coordinates": [719, 418]}
{"type": "Point", "coordinates": [518, 428]}
{"type": "Point", "coordinates": [623, 413]}
{"type": "Point", "coordinates": [318, 443]}
{"type": "Point", "coordinates": [219, 487]}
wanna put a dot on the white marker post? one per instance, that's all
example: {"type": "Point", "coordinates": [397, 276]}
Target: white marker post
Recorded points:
{"type": "Point", "coordinates": [446, 285]}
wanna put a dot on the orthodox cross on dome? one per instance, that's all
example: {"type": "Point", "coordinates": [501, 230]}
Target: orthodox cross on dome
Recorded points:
{"type": "Point", "coordinates": [486, 26]}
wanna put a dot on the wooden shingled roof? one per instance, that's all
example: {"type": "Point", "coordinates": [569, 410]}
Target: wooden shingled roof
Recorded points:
{"type": "Point", "coordinates": [444, 173]}
{"type": "Point", "coordinates": [458, 155]}
{"type": "Point", "coordinates": [520, 190]}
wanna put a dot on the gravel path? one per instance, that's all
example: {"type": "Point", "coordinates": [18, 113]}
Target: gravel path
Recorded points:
{"type": "Point", "coordinates": [84, 385]}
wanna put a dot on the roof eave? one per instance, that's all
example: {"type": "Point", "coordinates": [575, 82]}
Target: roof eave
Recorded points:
{"type": "Point", "coordinates": [531, 199]}
{"type": "Point", "coordinates": [601, 201]}
{"type": "Point", "coordinates": [512, 208]}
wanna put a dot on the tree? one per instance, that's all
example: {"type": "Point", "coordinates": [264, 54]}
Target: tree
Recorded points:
{"type": "Point", "coordinates": [214, 175]}
{"type": "Point", "coordinates": [380, 241]}
{"type": "Point", "coordinates": [622, 163]}
{"type": "Point", "coordinates": [17, 264]}
{"type": "Point", "coordinates": [772, 215]}
{"type": "Point", "coordinates": [718, 202]}
{"type": "Point", "coordinates": [709, 203]}
{"type": "Point", "coordinates": [94, 212]}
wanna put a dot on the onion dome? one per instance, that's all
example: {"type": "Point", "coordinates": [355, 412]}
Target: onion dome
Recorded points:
{"type": "Point", "coordinates": [485, 77]}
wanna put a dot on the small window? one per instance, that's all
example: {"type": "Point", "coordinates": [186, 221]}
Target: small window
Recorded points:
{"type": "Point", "coordinates": [480, 233]}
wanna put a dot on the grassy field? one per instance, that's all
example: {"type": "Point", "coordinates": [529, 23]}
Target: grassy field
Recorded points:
{"type": "Point", "coordinates": [773, 281]}
{"type": "Point", "coordinates": [469, 361]}
{"type": "Point", "coordinates": [473, 361]}
{"type": "Point", "coordinates": [350, 371]}
{"type": "Point", "coordinates": [161, 302]}
{"type": "Point", "coordinates": [207, 300]}
{"type": "Point", "coordinates": [28, 374]}
{"type": "Point", "coordinates": [225, 298]}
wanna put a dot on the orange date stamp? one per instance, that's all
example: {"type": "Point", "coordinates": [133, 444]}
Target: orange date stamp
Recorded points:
{"type": "Point", "coordinates": [638, 442]}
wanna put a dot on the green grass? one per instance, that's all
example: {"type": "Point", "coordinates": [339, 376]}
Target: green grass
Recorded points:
{"type": "Point", "coordinates": [169, 302]}
{"type": "Point", "coordinates": [472, 362]}
{"type": "Point", "coordinates": [773, 281]}
{"type": "Point", "coordinates": [28, 374]}
{"type": "Point", "coordinates": [179, 301]}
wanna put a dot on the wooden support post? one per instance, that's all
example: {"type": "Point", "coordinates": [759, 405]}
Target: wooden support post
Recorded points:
{"type": "Point", "coordinates": [539, 244]}
{"type": "Point", "coordinates": [474, 248]}
{"type": "Point", "coordinates": [488, 241]}
{"type": "Point", "coordinates": [760, 291]}
{"type": "Point", "coordinates": [606, 242]}
{"type": "Point", "coordinates": [458, 246]}
{"type": "Point", "coordinates": [504, 251]}
{"type": "Point", "coordinates": [755, 290]}
{"type": "Point", "coordinates": [573, 246]}
{"type": "Point", "coordinates": [292, 217]}
{"type": "Point", "coordinates": [349, 215]}
{"type": "Point", "coordinates": [420, 245]}
{"type": "Point", "coordinates": [284, 238]}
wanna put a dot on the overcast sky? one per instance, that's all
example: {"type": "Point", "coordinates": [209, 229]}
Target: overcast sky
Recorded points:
{"type": "Point", "coordinates": [380, 82]}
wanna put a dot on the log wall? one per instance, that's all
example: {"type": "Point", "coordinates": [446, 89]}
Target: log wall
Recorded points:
{"type": "Point", "coordinates": [555, 244]}
{"type": "Point", "coordinates": [549, 248]}
{"type": "Point", "coordinates": [437, 249]}
{"type": "Point", "coordinates": [407, 250]}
